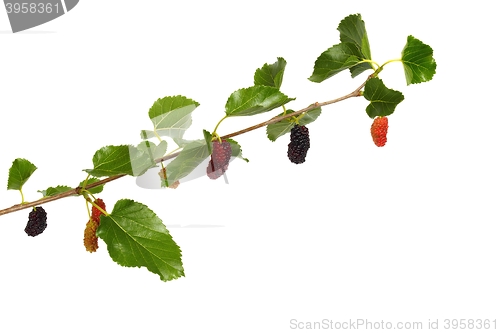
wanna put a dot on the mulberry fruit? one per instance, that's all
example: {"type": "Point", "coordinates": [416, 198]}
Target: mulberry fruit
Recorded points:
{"type": "Point", "coordinates": [299, 144]}
{"type": "Point", "coordinates": [37, 222]}
{"type": "Point", "coordinates": [219, 162]}
{"type": "Point", "coordinates": [164, 182]}
{"type": "Point", "coordinates": [174, 185]}
{"type": "Point", "coordinates": [379, 131]}
{"type": "Point", "coordinates": [89, 236]}
{"type": "Point", "coordinates": [96, 213]}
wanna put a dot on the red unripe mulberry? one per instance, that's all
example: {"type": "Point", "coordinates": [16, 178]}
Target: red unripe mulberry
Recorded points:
{"type": "Point", "coordinates": [96, 213]}
{"type": "Point", "coordinates": [89, 236]}
{"type": "Point", "coordinates": [219, 162]}
{"type": "Point", "coordinates": [379, 131]}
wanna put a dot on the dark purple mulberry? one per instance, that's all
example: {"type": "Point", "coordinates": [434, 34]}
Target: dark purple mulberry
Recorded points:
{"type": "Point", "coordinates": [37, 222]}
{"type": "Point", "coordinates": [219, 162]}
{"type": "Point", "coordinates": [299, 144]}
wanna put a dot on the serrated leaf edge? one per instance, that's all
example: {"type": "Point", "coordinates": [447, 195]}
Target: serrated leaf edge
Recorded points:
{"type": "Point", "coordinates": [143, 206]}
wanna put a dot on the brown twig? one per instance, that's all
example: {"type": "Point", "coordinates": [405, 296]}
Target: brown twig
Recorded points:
{"type": "Point", "coordinates": [316, 105]}
{"type": "Point", "coordinates": [68, 193]}
{"type": "Point", "coordinates": [76, 191]}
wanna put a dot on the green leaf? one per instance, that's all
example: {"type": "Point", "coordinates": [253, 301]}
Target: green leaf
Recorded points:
{"type": "Point", "coordinates": [270, 75]}
{"type": "Point", "coordinates": [418, 62]}
{"type": "Point", "coordinates": [349, 54]}
{"type": "Point", "coordinates": [182, 142]}
{"type": "Point", "coordinates": [160, 150]}
{"type": "Point", "coordinates": [20, 171]}
{"type": "Point", "coordinates": [334, 60]}
{"type": "Point", "coordinates": [136, 237]}
{"type": "Point", "coordinates": [188, 159]}
{"type": "Point", "coordinates": [153, 151]}
{"type": "Point", "coordinates": [383, 101]}
{"type": "Point", "coordinates": [278, 129]}
{"type": "Point", "coordinates": [51, 191]}
{"type": "Point", "coordinates": [254, 100]}
{"type": "Point", "coordinates": [352, 30]}
{"type": "Point", "coordinates": [283, 127]}
{"type": "Point", "coordinates": [146, 134]}
{"type": "Point", "coordinates": [236, 150]}
{"type": "Point", "coordinates": [116, 160]}
{"type": "Point", "coordinates": [360, 68]}
{"type": "Point", "coordinates": [171, 116]}
{"type": "Point", "coordinates": [208, 139]}
{"type": "Point", "coordinates": [93, 190]}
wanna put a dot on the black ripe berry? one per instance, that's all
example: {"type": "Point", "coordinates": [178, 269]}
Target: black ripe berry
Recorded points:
{"type": "Point", "coordinates": [37, 222]}
{"type": "Point", "coordinates": [219, 162]}
{"type": "Point", "coordinates": [299, 144]}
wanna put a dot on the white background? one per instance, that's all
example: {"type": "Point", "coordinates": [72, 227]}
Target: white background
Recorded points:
{"type": "Point", "coordinates": [407, 232]}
